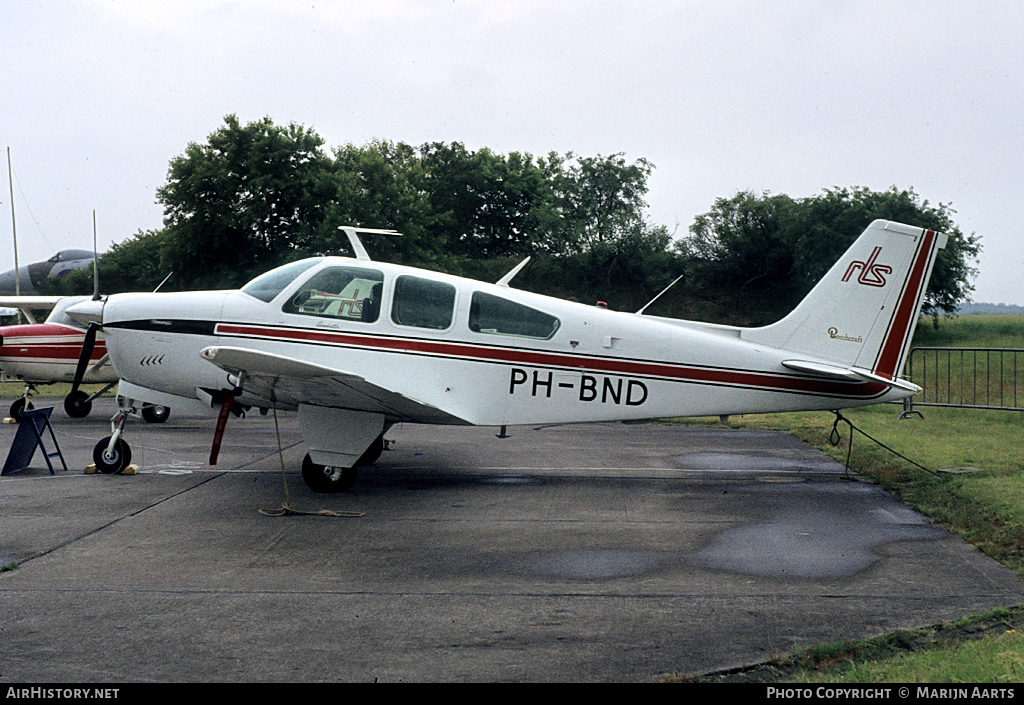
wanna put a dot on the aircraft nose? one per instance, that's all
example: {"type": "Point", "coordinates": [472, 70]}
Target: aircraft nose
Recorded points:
{"type": "Point", "coordinates": [87, 312]}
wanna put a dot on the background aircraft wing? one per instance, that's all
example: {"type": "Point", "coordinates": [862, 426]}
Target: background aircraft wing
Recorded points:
{"type": "Point", "coordinates": [35, 302]}
{"type": "Point", "coordinates": [28, 304]}
{"type": "Point", "coordinates": [292, 382]}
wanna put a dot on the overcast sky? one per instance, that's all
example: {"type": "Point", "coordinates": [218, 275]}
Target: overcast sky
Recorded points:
{"type": "Point", "coordinates": [790, 96]}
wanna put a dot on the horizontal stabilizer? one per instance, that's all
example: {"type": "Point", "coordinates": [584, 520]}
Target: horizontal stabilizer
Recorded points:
{"type": "Point", "coordinates": [849, 374]}
{"type": "Point", "coordinates": [817, 368]}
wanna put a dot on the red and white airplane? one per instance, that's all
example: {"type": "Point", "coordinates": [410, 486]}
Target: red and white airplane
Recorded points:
{"type": "Point", "coordinates": [356, 345]}
{"type": "Point", "coordinates": [49, 353]}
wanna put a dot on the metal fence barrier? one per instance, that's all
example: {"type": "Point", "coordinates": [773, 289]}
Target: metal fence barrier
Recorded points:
{"type": "Point", "coordinates": [970, 378]}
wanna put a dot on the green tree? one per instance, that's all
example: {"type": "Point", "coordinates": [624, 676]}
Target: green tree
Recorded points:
{"type": "Point", "coordinates": [764, 252]}
{"type": "Point", "coordinates": [832, 220]}
{"type": "Point", "coordinates": [486, 203]}
{"type": "Point", "coordinates": [136, 264]}
{"type": "Point", "coordinates": [592, 200]}
{"type": "Point", "coordinates": [380, 185]}
{"type": "Point", "coordinates": [745, 244]}
{"type": "Point", "coordinates": [243, 202]}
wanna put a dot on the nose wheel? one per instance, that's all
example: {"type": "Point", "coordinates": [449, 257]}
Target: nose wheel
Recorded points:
{"type": "Point", "coordinates": [112, 458]}
{"type": "Point", "coordinates": [20, 406]}
{"type": "Point", "coordinates": [112, 455]}
{"type": "Point", "coordinates": [77, 404]}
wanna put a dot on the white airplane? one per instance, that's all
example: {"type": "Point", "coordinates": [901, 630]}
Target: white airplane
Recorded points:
{"type": "Point", "coordinates": [356, 345]}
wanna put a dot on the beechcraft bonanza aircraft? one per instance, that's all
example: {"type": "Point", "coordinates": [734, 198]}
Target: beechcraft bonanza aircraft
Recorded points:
{"type": "Point", "coordinates": [356, 345]}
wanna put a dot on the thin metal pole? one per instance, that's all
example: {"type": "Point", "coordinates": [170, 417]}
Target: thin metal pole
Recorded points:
{"type": "Point", "coordinates": [95, 263]}
{"type": "Point", "coordinates": [14, 228]}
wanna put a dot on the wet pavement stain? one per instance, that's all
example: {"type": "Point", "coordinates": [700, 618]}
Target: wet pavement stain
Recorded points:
{"type": "Point", "coordinates": [813, 530]}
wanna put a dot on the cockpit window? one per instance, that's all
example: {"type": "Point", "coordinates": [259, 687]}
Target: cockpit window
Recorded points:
{"type": "Point", "coordinates": [423, 303]}
{"type": "Point", "coordinates": [266, 286]}
{"type": "Point", "coordinates": [352, 293]}
{"type": "Point", "coordinates": [497, 316]}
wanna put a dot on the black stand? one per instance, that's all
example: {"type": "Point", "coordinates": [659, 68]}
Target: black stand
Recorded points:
{"type": "Point", "coordinates": [28, 437]}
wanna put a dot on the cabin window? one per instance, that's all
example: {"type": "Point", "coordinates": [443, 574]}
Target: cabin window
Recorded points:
{"type": "Point", "coordinates": [423, 303]}
{"type": "Point", "coordinates": [268, 285]}
{"type": "Point", "coordinates": [350, 293]}
{"type": "Point", "coordinates": [497, 316]}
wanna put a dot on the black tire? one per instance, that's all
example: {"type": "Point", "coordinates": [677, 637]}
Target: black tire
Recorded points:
{"type": "Point", "coordinates": [320, 478]}
{"type": "Point", "coordinates": [21, 404]}
{"type": "Point", "coordinates": [156, 414]}
{"type": "Point", "coordinates": [122, 456]}
{"type": "Point", "coordinates": [372, 453]}
{"type": "Point", "coordinates": [77, 405]}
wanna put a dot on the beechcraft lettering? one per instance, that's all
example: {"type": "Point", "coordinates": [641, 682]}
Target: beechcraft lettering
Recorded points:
{"type": "Point", "coordinates": [355, 345]}
{"type": "Point", "coordinates": [591, 388]}
{"type": "Point", "coordinates": [834, 334]}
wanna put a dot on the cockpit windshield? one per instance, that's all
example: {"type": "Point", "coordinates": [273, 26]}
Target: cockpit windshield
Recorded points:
{"type": "Point", "coordinates": [266, 286]}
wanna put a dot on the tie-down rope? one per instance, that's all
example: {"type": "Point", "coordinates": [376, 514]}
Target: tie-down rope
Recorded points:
{"type": "Point", "coordinates": [835, 438]}
{"type": "Point", "coordinates": [286, 508]}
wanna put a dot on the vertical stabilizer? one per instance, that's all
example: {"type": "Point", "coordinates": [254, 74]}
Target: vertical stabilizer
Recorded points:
{"type": "Point", "coordinates": [863, 313]}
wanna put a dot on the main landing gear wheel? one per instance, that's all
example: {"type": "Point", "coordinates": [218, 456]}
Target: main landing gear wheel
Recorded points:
{"type": "Point", "coordinates": [156, 414]}
{"type": "Point", "coordinates": [19, 406]}
{"type": "Point", "coordinates": [114, 462]}
{"type": "Point", "coordinates": [324, 478]}
{"type": "Point", "coordinates": [77, 404]}
{"type": "Point", "coordinates": [372, 453]}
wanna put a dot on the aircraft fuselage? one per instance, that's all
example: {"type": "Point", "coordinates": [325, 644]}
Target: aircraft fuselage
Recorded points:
{"type": "Point", "coordinates": [568, 362]}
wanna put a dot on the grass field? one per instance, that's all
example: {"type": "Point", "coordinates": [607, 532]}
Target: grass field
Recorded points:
{"type": "Point", "coordinates": [12, 389]}
{"type": "Point", "coordinates": [985, 506]}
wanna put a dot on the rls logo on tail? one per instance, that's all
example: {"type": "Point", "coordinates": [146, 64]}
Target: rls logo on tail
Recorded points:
{"type": "Point", "coordinates": [871, 273]}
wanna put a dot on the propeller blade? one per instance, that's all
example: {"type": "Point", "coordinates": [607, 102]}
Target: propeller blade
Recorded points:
{"type": "Point", "coordinates": [222, 421]}
{"type": "Point", "coordinates": [83, 358]}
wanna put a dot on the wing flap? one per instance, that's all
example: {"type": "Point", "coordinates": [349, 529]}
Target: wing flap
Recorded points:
{"type": "Point", "coordinates": [291, 382]}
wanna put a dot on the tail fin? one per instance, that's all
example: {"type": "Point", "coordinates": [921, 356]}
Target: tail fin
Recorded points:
{"type": "Point", "coordinates": [862, 314]}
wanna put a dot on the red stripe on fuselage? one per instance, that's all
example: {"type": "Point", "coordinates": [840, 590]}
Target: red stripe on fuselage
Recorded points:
{"type": "Point", "coordinates": [512, 356]}
{"type": "Point", "coordinates": [49, 342]}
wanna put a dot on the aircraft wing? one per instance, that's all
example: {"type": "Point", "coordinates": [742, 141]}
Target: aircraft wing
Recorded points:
{"type": "Point", "coordinates": [292, 382]}
{"type": "Point", "coordinates": [27, 304]}
{"type": "Point", "coordinates": [849, 374]}
{"type": "Point", "coordinates": [29, 301]}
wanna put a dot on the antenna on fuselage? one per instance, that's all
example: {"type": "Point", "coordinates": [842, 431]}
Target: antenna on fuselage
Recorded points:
{"type": "Point", "coordinates": [357, 245]}
{"type": "Point", "coordinates": [514, 271]}
{"type": "Point", "coordinates": [641, 311]}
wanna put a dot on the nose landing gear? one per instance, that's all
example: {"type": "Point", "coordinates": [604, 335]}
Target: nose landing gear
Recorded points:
{"type": "Point", "coordinates": [112, 454]}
